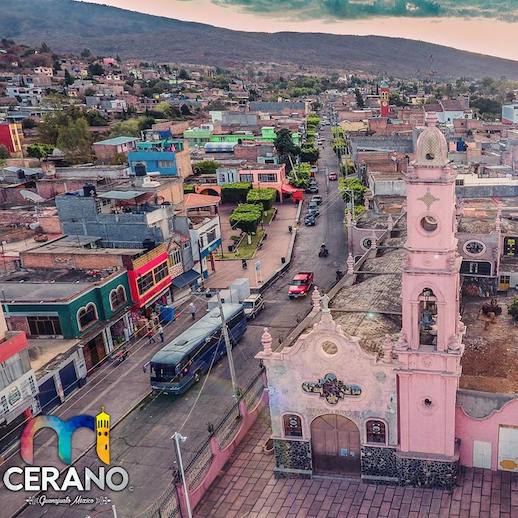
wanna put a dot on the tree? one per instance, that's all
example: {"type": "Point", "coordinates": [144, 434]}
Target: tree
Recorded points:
{"type": "Point", "coordinates": [95, 69]}
{"type": "Point", "coordinates": [513, 309]}
{"type": "Point", "coordinates": [354, 185]}
{"type": "Point", "coordinates": [285, 147]}
{"type": "Point", "coordinates": [39, 150]}
{"type": "Point", "coordinates": [359, 98]}
{"type": "Point", "coordinates": [86, 53]}
{"type": "Point", "coordinates": [183, 74]}
{"type": "Point", "coordinates": [75, 140]}
{"type": "Point", "coordinates": [206, 167]}
{"type": "Point", "coordinates": [4, 152]}
{"type": "Point", "coordinates": [69, 79]}
{"type": "Point", "coordinates": [246, 217]}
{"type": "Point", "coordinates": [488, 108]}
{"type": "Point", "coordinates": [266, 197]}
{"type": "Point", "coordinates": [309, 154]}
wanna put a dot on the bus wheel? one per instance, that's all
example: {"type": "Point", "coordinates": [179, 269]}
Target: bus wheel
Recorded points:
{"type": "Point", "coordinates": [197, 376]}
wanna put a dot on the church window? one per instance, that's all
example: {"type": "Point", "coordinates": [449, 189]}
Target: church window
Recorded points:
{"type": "Point", "coordinates": [292, 425]}
{"type": "Point", "coordinates": [376, 432]}
{"type": "Point", "coordinates": [429, 223]}
{"type": "Point", "coordinates": [329, 348]}
{"type": "Point", "coordinates": [427, 317]}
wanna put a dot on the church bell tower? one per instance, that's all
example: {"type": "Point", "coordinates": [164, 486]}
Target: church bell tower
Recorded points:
{"type": "Point", "coordinates": [430, 345]}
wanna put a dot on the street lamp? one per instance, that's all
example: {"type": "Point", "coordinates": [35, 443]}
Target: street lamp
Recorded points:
{"type": "Point", "coordinates": [177, 439]}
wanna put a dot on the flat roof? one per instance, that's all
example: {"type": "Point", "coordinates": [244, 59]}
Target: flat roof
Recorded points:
{"type": "Point", "coordinates": [117, 141]}
{"type": "Point", "coordinates": [121, 195]}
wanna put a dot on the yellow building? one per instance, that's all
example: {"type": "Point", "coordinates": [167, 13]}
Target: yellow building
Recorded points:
{"type": "Point", "coordinates": [102, 433]}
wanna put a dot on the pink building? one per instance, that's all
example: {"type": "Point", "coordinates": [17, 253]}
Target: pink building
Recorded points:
{"type": "Point", "coordinates": [108, 150]}
{"type": "Point", "coordinates": [265, 176]}
{"type": "Point", "coordinates": [371, 385]}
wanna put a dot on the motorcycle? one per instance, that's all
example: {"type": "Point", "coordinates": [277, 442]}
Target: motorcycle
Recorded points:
{"type": "Point", "coordinates": [324, 252]}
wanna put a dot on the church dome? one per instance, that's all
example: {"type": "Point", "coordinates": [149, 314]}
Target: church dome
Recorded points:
{"type": "Point", "coordinates": [432, 148]}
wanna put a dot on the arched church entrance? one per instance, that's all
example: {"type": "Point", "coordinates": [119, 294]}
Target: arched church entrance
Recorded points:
{"type": "Point", "coordinates": [335, 445]}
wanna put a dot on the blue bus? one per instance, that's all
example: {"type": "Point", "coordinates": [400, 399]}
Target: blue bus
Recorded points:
{"type": "Point", "coordinates": [182, 362]}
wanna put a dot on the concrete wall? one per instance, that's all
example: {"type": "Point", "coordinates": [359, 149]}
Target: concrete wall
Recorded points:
{"type": "Point", "coordinates": [478, 417]}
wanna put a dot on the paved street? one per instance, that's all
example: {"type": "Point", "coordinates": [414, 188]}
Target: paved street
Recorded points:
{"type": "Point", "coordinates": [141, 442]}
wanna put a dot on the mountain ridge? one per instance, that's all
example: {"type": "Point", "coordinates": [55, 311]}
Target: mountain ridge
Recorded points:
{"type": "Point", "coordinates": [70, 26]}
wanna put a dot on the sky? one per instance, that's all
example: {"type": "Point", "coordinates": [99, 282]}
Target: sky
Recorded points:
{"type": "Point", "coordinates": [484, 26]}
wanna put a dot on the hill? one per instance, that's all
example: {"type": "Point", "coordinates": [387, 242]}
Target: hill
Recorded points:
{"type": "Point", "coordinates": [70, 26]}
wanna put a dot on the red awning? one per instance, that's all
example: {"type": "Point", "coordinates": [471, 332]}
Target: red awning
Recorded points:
{"type": "Point", "coordinates": [287, 188]}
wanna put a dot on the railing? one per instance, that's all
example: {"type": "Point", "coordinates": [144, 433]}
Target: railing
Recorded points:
{"type": "Point", "coordinates": [205, 465]}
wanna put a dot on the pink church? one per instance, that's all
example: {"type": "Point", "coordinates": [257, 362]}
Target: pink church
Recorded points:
{"type": "Point", "coordinates": [371, 385]}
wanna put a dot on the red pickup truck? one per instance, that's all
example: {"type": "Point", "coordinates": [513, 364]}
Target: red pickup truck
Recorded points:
{"type": "Point", "coordinates": [300, 285]}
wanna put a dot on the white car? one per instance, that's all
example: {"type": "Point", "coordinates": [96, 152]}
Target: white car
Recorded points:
{"type": "Point", "coordinates": [253, 305]}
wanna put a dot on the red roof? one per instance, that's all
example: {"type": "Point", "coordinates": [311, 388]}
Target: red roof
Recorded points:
{"type": "Point", "coordinates": [196, 201]}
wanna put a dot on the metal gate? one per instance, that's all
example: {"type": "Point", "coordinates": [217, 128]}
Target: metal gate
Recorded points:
{"type": "Point", "coordinates": [68, 378]}
{"type": "Point", "coordinates": [48, 396]}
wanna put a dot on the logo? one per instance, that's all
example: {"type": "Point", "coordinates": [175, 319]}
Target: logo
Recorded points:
{"type": "Point", "coordinates": [41, 478]}
{"type": "Point", "coordinates": [65, 430]}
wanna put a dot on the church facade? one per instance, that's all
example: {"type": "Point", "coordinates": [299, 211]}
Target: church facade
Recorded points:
{"type": "Point", "coordinates": [390, 414]}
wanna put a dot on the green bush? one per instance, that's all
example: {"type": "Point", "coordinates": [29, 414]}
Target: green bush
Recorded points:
{"type": "Point", "coordinates": [300, 175]}
{"type": "Point", "coordinates": [265, 196]}
{"type": "Point", "coordinates": [513, 309]}
{"type": "Point", "coordinates": [39, 150]}
{"type": "Point", "coordinates": [235, 192]}
{"type": "Point", "coordinates": [246, 217]}
{"type": "Point", "coordinates": [188, 188]}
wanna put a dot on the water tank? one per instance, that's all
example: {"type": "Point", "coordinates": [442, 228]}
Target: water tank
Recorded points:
{"type": "Point", "coordinates": [89, 190]}
{"type": "Point", "coordinates": [148, 244]}
{"type": "Point", "coordinates": [140, 169]}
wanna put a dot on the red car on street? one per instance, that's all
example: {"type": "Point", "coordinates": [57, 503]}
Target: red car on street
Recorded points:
{"type": "Point", "coordinates": [332, 176]}
{"type": "Point", "coordinates": [300, 285]}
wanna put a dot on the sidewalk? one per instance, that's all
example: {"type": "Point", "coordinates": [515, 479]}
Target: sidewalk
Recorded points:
{"type": "Point", "coordinates": [247, 487]}
{"type": "Point", "coordinates": [119, 387]}
{"type": "Point", "coordinates": [274, 247]}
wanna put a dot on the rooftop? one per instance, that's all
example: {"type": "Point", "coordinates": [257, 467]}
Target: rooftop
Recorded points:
{"type": "Point", "coordinates": [117, 141]}
{"type": "Point", "coordinates": [36, 286]}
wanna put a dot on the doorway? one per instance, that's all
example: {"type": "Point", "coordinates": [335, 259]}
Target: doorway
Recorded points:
{"type": "Point", "coordinates": [335, 444]}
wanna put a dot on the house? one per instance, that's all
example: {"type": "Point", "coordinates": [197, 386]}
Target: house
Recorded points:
{"type": "Point", "coordinates": [263, 176]}
{"type": "Point", "coordinates": [107, 150]}
{"type": "Point", "coordinates": [11, 136]}
{"type": "Point", "coordinates": [510, 113]}
{"type": "Point", "coordinates": [18, 387]}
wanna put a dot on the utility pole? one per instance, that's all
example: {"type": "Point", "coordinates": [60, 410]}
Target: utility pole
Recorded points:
{"type": "Point", "coordinates": [177, 437]}
{"type": "Point", "coordinates": [228, 346]}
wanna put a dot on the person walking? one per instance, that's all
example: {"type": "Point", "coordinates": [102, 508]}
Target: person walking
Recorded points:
{"type": "Point", "coordinates": [151, 334]}
{"type": "Point", "coordinates": [161, 332]}
{"type": "Point", "coordinates": [192, 310]}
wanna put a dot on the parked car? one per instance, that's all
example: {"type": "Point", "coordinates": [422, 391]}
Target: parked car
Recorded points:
{"type": "Point", "coordinates": [313, 207]}
{"type": "Point", "coordinates": [310, 220]}
{"type": "Point", "coordinates": [300, 285]}
{"type": "Point", "coordinates": [253, 305]}
{"type": "Point", "coordinates": [312, 189]}
{"type": "Point", "coordinates": [317, 199]}
{"type": "Point", "coordinates": [333, 176]}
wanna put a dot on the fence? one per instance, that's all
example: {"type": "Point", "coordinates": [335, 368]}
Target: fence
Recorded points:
{"type": "Point", "coordinates": [205, 465]}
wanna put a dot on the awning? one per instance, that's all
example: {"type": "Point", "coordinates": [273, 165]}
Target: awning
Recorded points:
{"type": "Point", "coordinates": [185, 278]}
{"type": "Point", "coordinates": [120, 195]}
{"type": "Point", "coordinates": [290, 189]}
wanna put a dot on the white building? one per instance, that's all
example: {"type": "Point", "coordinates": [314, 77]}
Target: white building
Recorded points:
{"type": "Point", "coordinates": [510, 114]}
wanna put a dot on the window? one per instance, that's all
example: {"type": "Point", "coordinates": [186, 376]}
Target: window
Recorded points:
{"type": "Point", "coordinates": [376, 432]}
{"type": "Point", "coordinates": [44, 326]}
{"type": "Point", "coordinates": [14, 367]}
{"type": "Point", "coordinates": [161, 272]}
{"type": "Point", "coordinates": [86, 315]}
{"type": "Point", "coordinates": [246, 178]}
{"type": "Point", "coordinates": [211, 235]}
{"type": "Point", "coordinates": [267, 177]}
{"type": "Point", "coordinates": [176, 257]}
{"type": "Point", "coordinates": [166, 163]}
{"type": "Point", "coordinates": [429, 223]}
{"type": "Point", "coordinates": [292, 425]}
{"type": "Point", "coordinates": [145, 282]}
{"type": "Point", "coordinates": [117, 297]}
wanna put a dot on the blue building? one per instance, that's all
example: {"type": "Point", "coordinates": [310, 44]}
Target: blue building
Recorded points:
{"type": "Point", "coordinates": [165, 156]}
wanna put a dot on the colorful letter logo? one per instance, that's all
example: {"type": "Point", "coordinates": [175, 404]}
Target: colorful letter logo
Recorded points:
{"type": "Point", "coordinates": [65, 430]}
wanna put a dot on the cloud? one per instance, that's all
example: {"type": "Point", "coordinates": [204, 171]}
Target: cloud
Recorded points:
{"type": "Point", "coordinates": [358, 9]}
